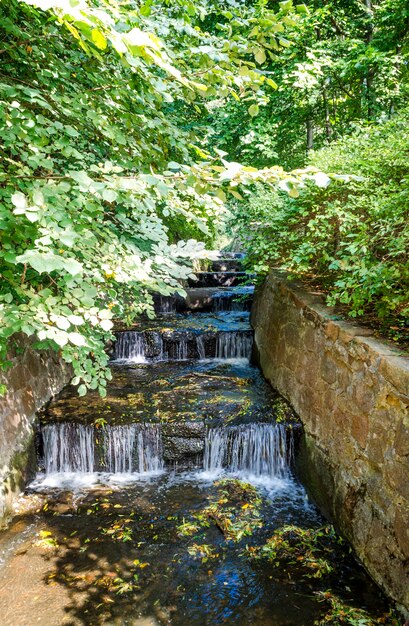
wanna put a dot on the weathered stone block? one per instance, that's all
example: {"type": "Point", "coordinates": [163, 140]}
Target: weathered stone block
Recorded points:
{"type": "Point", "coordinates": [177, 448]}
{"type": "Point", "coordinates": [328, 369]}
{"type": "Point", "coordinates": [184, 429]}
{"type": "Point", "coordinates": [332, 331]}
{"type": "Point", "coordinates": [401, 528]}
{"type": "Point", "coordinates": [360, 428]}
{"type": "Point", "coordinates": [402, 438]}
{"type": "Point", "coordinates": [396, 371]}
{"type": "Point", "coordinates": [397, 476]}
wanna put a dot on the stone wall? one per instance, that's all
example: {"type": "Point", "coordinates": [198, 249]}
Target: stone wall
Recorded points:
{"type": "Point", "coordinates": [34, 377]}
{"type": "Point", "coordinates": [351, 392]}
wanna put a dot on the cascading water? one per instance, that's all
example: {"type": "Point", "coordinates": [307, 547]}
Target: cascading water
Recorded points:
{"type": "Point", "coordinates": [130, 346]}
{"type": "Point", "coordinates": [201, 347]}
{"type": "Point", "coordinates": [119, 445]}
{"type": "Point", "coordinates": [222, 303]}
{"type": "Point", "coordinates": [166, 304]}
{"type": "Point", "coordinates": [181, 349]}
{"type": "Point", "coordinates": [155, 346]}
{"type": "Point", "coordinates": [254, 449]}
{"type": "Point", "coordinates": [233, 345]}
{"type": "Point", "coordinates": [68, 448]}
{"type": "Point", "coordinates": [113, 449]}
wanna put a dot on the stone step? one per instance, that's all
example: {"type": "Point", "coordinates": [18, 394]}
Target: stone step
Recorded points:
{"type": "Point", "coordinates": [203, 321]}
{"type": "Point", "coordinates": [207, 299]}
{"type": "Point", "coordinates": [180, 396]}
{"type": "Point", "coordinates": [220, 279]}
{"type": "Point", "coordinates": [227, 265]}
{"type": "Point", "coordinates": [220, 299]}
{"type": "Point", "coordinates": [232, 255]}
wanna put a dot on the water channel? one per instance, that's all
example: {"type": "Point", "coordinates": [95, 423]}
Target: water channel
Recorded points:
{"type": "Point", "coordinates": [174, 500]}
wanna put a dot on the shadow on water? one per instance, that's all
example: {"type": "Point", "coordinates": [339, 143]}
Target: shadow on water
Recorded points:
{"type": "Point", "coordinates": [160, 552]}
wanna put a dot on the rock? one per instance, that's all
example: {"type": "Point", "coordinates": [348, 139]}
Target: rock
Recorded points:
{"type": "Point", "coordinates": [184, 430]}
{"type": "Point", "coordinates": [177, 448]}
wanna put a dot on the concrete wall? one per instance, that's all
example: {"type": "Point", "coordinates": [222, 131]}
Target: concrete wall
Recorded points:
{"type": "Point", "coordinates": [32, 380]}
{"type": "Point", "coordinates": [351, 392]}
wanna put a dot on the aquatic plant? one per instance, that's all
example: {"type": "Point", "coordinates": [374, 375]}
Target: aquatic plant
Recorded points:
{"type": "Point", "coordinates": [292, 545]}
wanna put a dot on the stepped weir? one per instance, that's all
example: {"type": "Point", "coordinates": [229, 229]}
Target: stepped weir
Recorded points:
{"type": "Point", "coordinates": [198, 349]}
{"type": "Point", "coordinates": [174, 500]}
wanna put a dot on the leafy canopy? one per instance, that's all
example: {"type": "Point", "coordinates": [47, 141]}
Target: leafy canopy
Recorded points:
{"type": "Point", "coordinates": [105, 187]}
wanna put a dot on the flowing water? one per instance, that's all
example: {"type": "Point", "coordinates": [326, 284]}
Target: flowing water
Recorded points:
{"type": "Point", "coordinates": [251, 450]}
{"type": "Point", "coordinates": [158, 504]}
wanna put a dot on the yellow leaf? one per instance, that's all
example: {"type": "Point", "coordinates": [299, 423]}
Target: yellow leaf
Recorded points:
{"type": "Point", "coordinates": [98, 39]}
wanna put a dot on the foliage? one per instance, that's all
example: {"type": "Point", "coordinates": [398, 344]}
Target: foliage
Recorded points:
{"type": "Point", "coordinates": [112, 182]}
{"type": "Point", "coordinates": [305, 547]}
{"type": "Point", "coordinates": [353, 239]}
{"type": "Point", "coordinates": [102, 202]}
{"type": "Point", "coordinates": [234, 510]}
{"type": "Point", "coordinates": [341, 613]}
{"type": "Point", "coordinates": [314, 553]}
{"type": "Point", "coordinates": [203, 551]}
{"type": "Point", "coordinates": [347, 61]}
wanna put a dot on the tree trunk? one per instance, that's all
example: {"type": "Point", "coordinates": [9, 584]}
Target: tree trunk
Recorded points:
{"type": "Point", "coordinates": [310, 135]}
{"type": "Point", "coordinates": [328, 127]}
{"type": "Point", "coordinates": [368, 80]}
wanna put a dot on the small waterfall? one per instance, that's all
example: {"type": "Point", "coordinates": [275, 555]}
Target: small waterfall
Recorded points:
{"type": "Point", "coordinates": [221, 303]}
{"type": "Point", "coordinates": [227, 303]}
{"type": "Point", "coordinates": [68, 448]}
{"type": "Point", "coordinates": [201, 348]}
{"type": "Point", "coordinates": [166, 304]}
{"type": "Point", "coordinates": [130, 346]}
{"type": "Point", "coordinates": [256, 449]}
{"type": "Point", "coordinates": [178, 350]}
{"type": "Point", "coordinates": [234, 345]}
{"type": "Point", "coordinates": [149, 449]}
{"type": "Point", "coordinates": [162, 355]}
{"type": "Point", "coordinates": [239, 304]}
{"type": "Point", "coordinates": [119, 444]}
{"type": "Point", "coordinates": [154, 346]}
{"type": "Point", "coordinates": [113, 449]}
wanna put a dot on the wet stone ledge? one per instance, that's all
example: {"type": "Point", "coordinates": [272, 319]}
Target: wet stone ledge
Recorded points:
{"type": "Point", "coordinates": [351, 392]}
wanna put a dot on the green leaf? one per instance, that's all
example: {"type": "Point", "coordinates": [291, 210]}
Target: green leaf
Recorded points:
{"type": "Point", "coordinates": [254, 110]}
{"type": "Point", "coordinates": [76, 339]}
{"type": "Point", "coordinates": [82, 178]}
{"type": "Point", "coordinates": [19, 200]}
{"type": "Point", "coordinates": [82, 390]}
{"type": "Point", "coordinates": [260, 56]}
{"type": "Point", "coordinates": [272, 83]}
{"type": "Point", "coordinates": [302, 8]}
{"type": "Point", "coordinates": [109, 195]}
{"type": "Point", "coordinates": [49, 262]}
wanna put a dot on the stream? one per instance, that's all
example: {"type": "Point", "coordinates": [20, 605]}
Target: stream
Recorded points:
{"type": "Point", "coordinates": [174, 500]}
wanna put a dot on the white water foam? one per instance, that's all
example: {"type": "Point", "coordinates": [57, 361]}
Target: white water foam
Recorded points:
{"type": "Point", "coordinates": [77, 481]}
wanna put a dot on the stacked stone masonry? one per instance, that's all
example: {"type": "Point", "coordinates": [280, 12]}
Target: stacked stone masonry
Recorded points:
{"type": "Point", "coordinates": [31, 380]}
{"type": "Point", "coordinates": [351, 392]}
